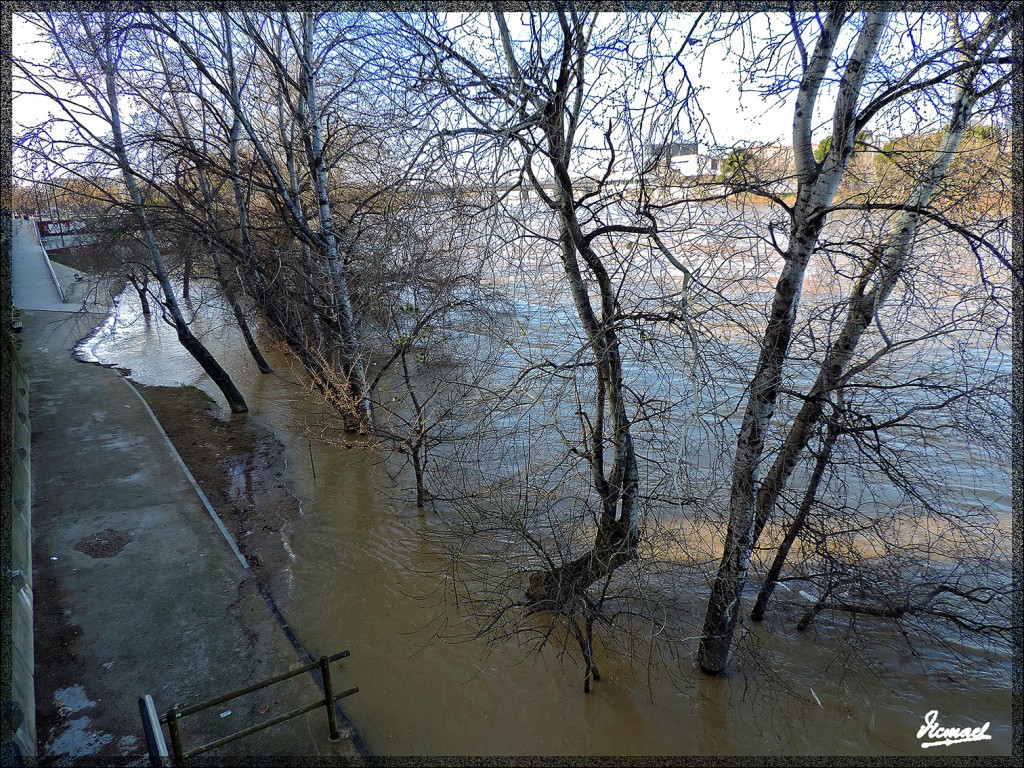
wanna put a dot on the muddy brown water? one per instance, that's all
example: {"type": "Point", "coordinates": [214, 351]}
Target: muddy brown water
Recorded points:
{"type": "Point", "coordinates": [363, 575]}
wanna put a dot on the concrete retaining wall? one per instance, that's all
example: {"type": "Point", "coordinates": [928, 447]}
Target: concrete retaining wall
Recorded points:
{"type": "Point", "coordinates": [22, 656]}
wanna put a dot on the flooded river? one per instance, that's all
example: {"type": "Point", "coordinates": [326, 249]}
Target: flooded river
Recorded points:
{"type": "Point", "coordinates": [365, 575]}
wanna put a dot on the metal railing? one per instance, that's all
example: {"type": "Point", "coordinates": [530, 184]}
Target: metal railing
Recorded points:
{"type": "Point", "coordinates": [49, 264]}
{"type": "Point", "coordinates": [158, 755]}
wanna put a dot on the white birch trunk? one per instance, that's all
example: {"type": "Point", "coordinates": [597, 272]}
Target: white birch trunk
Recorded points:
{"type": "Point", "coordinates": [817, 186]}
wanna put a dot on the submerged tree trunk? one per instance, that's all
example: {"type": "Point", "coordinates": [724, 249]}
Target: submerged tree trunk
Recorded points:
{"type": "Point", "coordinates": [417, 443]}
{"type": "Point", "coordinates": [817, 184]}
{"type": "Point", "coordinates": [304, 84]}
{"type": "Point", "coordinates": [613, 547]}
{"type": "Point", "coordinates": [618, 533]}
{"type": "Point", "coordinates": [796, 526]}
{"type": "Point", "coordinates": [209, 207]}
{"type": "Point", "coordinates": [350, 348]}
{"type": "Point", "coordinates": [186, 275]}
{"type": "Point", "coordinates": [243, 324]}
{"type": "Point", "coordinates": [883, 269]}
{"type": "Point", "coordinates": [142, 288]}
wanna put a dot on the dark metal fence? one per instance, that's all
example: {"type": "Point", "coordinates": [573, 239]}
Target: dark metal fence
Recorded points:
{"type": "Point", "coordinates": [158, 755]}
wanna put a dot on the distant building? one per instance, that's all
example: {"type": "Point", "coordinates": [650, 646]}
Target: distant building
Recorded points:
{"type": "Point", "coordinates": [680, 159]}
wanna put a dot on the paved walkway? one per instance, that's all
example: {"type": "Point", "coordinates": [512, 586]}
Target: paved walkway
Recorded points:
{"type": "Point", "coordinates": [135, 589]}
{"type": "Point", "coordinates": [32, 284]}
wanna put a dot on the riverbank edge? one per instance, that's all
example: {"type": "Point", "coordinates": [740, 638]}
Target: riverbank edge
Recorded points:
{"type": "Point", "coordinates": [350, 749]}
{"type": "Point", "coordinates": [162, 417]}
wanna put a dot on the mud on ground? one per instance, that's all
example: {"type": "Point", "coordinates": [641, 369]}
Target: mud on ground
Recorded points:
{"type": "Point", "coordinates": [240, 466]}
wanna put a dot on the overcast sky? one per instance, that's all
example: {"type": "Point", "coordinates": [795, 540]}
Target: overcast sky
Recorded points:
{"type": "Point", "coordinates": [735, 116]}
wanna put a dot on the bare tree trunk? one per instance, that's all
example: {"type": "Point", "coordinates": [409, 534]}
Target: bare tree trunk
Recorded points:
{"type": "Point", "coordinates": [796, 526]}
{"type": "Point", "coordinates": [141, 288]}
{"type": "Point", "coordinates": [816, 188]}
{"type": "Point", "coordinates": [185, 336]}
{"type": "Point", "coordinates": [325, 238]}
{"type": "Point", "coordinates": [873, 287]}
{"type": "Point", "coordinates": [618, 532]}
{"type": "Point", "coordinates": [585, 639]}
{"type": "Point", "coordinates": [318, 164]}
{"type": "Point", "coordinates": [417, 445]}
{"type": "Point", "coordinates": [209, 205]}
{"type": "Point", "coordinates": [287, 137]}
{"type": "Point", "coordinates": [186, 275]}
{"type": "Point", "coordinates": [243, 324]}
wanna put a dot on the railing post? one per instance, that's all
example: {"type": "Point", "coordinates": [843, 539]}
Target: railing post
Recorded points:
{"type": "Point", "coordinates": [174, 715]}
{"type": "Point", "coordinates": [155, 744]}
{"type": "Point", "coordinates": [172, 726]}
{"type": "Point", "coordinates": [332, 716]}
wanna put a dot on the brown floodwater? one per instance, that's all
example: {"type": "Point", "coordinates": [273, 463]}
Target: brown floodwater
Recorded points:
{"type": "Point", "coordinates": [364, 574]}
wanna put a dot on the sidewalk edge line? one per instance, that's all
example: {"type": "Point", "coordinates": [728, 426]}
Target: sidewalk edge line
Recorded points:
{"type": "Point", "coordinates": [181, 463]}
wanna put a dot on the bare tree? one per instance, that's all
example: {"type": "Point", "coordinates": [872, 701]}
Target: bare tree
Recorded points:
{"type": "Point", "coordinates": [540, 112]}
{"type": "Point", "coordinates": [293, 65]}
{"type": "Point", "coordinates": [193, 193]}
{"type": "Point", "coordinates": [88, 57]}
{"type": "Point", "coordinates": [968, 64]}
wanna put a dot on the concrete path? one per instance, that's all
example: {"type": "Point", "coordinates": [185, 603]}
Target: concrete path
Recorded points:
{"type": "Point", "coordinates": [135, 589]}
{"type": "Point", "coordinates": [33, 286]}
